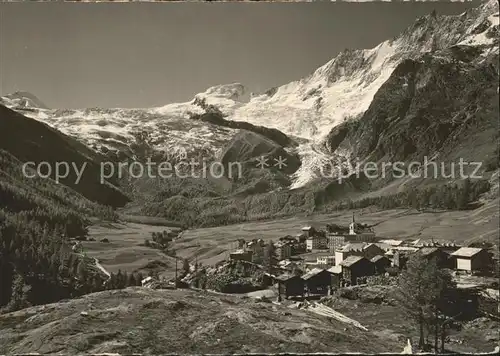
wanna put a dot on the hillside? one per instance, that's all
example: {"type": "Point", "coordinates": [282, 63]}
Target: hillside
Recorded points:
{"type": "Point", "coordinates": [138, 320]}
{"type": "Point", "coordinates": [29, 140]}
{"type": "Point", "coordinates": [39, 216]}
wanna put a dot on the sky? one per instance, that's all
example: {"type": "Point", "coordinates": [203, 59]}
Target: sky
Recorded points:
{"type": "Point", "coordinates": [76, 55]}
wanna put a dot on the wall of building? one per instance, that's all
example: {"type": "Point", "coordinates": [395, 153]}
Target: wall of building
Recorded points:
{"type": "Point", "coordinates": [464, 264]}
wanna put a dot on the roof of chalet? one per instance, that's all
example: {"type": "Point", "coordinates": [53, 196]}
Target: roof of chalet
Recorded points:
{"type": "Point", "coordinates": [378, 258]}
{"type": "Point", "coordinates": [391, 242]}
{"type": "Point", "coordinates": [307, 228]}
{"type": "Point", "coordinates": [286, 277]}
{"type": "Point", "coordinates": [426, 251]}
{"type": "Point", "coordinates": [312, 273]}
{"type": "Point", "coordinates": [351, 260]}
{"type": "Point", "coordinates": [405, 248]}
{"type": "Point", "coordinates": [467, 251]}
{"type": "Point", "coordinates": [335, 269]}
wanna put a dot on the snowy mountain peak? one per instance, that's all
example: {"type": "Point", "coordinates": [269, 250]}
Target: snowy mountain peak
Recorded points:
{"type": "Point", "coordinates": [22, 100]}
{"type": "Point", "coordinates": [234, 91]}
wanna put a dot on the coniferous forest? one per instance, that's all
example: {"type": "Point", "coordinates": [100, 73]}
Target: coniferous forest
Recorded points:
{"type": "Point", "coordinates": [37, 220]}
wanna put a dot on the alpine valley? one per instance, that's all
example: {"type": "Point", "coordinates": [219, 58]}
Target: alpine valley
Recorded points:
{"type": "Point", "coordinates": [306, 152]}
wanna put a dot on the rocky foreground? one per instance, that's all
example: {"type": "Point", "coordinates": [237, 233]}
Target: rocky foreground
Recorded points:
{"type": "Point", "coordinates": [140, 320]}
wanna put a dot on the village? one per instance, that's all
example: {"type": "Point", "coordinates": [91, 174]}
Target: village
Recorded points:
{"type": "Point", "coordinates": [315, 262]}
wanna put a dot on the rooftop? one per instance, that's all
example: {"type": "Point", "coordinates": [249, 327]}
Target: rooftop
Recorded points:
{"type": "Point", "coordinates": [335, 269]}
{"type": "Point", "coordinates": [377, 258]}
{"type": "Point", "coordinates": [286, 277]}
{"type": "Point", "coordinates": [312, 273]}
{"type": "Point", "coordinates": [467, 251]}
{"type": "Point", "coordinates": [426, 251]}
{"type": "Point", "coordinates": [391, 242]}
{"type": "Point", "coordinates": [351, 260]}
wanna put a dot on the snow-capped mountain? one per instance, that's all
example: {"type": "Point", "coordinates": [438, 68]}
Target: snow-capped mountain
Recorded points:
{"type": "Point", "coordinates": [22, 100]}
{"type": "Point", "coordinates": [307, 109]}
{"type": "Point", "coordinates": [344, 87]}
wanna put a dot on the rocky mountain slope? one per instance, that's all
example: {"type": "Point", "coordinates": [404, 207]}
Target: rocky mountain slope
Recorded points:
{"type": "Point", "coordinates": [31, 141]}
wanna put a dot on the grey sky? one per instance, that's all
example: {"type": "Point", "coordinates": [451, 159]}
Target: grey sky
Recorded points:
{"type": "Point", "coordinates": [149, 54]}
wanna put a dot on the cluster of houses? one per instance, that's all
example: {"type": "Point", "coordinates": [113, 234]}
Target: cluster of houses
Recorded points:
{"type": "Point", "coordinates": [348, 255]}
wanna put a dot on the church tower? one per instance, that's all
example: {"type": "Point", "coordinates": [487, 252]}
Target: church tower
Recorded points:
{"type": "Point", "coordinates": [352, 226]}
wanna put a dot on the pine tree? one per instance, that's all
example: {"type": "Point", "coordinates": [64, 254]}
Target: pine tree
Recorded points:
{"type": "Point", "coordinates": [421, 290]}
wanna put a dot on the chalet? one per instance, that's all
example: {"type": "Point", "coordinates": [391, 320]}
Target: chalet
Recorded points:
{"type": "Point", "coordinates": [367, 250]}
{"type": "Point", "coordinates": [355, 267]}
{"type": "Point", "coordinates": [381, 263]}
{"type": "Point", "coordinates": [241, 255]}
{"type": "Point", "coordinates": [435, 253]}
{"type": "Point", "coordinates": [317, 281]}
{"type": "Point", "coordinates": [290, 285]}
{"type": "Point", "coordinates": [336, 272]}
{"type": "Point", "coordinates": [472, 259]}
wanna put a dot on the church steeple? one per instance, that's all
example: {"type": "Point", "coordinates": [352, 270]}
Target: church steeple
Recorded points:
{"type": "Point", "coordinates": [352, 226]}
